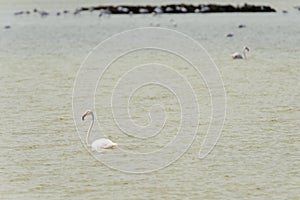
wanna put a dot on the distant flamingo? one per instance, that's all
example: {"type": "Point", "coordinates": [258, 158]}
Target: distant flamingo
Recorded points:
{"type": "Point", "coordinates": [99, 144]}
{"type": "Point", "coordinates": [237, 55]}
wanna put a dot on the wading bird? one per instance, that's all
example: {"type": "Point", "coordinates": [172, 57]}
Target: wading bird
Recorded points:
{"type": "Point", "coordinates": [99, 144]}
{"type": "Point", "coordinates": [237, 55]}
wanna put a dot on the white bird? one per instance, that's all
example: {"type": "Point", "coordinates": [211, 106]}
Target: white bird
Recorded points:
{"type": "Point", "coordinates": [183, 9]}
{"type": "Point", "coordinates": [143, 10]}
{"type": "Point", "coordinates": [99, 144]}
{"type": "Point", "coordinates": [237, 55]}
{"type": "Point", "coordinates": [169, 9]}
{"type": "Point", "coordinates": [123, 9]}
{"type": "Point", "coordinates": [204, 9]}
{"type": "Point", "coordinates": [158, 10]}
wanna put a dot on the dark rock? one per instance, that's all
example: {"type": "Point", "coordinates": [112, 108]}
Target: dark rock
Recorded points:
{"type": "Point", "coordinates": [178, 8]}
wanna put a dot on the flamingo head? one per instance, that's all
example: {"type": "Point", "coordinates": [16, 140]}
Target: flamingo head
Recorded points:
{"type": "Point", "coordinates": [246, 49]}
{"type": "Point", "coordinates": [88, 112]}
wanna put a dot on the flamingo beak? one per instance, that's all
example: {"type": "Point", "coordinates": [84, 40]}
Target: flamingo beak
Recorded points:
{"type": "Point", "coordinates": [83, 116]}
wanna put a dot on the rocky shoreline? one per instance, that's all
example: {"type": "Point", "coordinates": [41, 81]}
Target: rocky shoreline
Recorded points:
{"type": "Point", "coordinates": [162, 9]}
{"type": "Point", "coordinates": [176, 9]}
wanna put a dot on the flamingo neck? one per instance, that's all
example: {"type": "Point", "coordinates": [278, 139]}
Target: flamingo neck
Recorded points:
{"type": "Point", "coordinates": [244, 54]}
{"type": "Point", "coordinates": [90, 130]}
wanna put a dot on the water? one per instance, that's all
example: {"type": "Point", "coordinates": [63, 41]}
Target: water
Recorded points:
{"type": "Point", "coordinates": [257, 156]}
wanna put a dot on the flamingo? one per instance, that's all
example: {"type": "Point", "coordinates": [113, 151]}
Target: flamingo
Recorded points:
{"type": "Point", "coordinates": [99, 144]}
{"type": "Point", "coordinates": [237, 55]}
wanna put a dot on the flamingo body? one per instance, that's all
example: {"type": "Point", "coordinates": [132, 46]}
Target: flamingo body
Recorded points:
{"type": "Point", "coordinates": [103, 143]}
{"type": "Point", "coordinates": [237, 55]}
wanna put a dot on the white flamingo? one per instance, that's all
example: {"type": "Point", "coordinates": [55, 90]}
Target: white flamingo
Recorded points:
{"type": "Point", "coordinates": [99, 144]}
{"type": "Point", "coordinates": [237, 55]}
